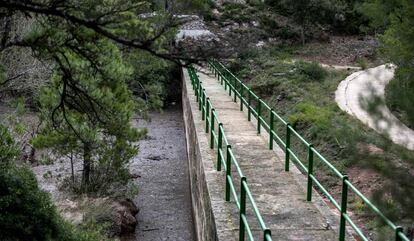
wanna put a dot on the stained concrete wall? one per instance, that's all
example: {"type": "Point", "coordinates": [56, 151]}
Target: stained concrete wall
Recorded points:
{"type": "Point", "coordinates": [211, 213]}
{"type": "Point", "coordinates": [202, 212]}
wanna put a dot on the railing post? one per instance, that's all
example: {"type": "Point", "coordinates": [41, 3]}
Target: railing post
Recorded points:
{"type": "Point", "coordinates": [207, 113]}
{"type": "Point", "coordinates": [271, 123]}
{"type": "Point", "coordinates": [259, 114]}
{"type": "Point", "coordinates": [249, 105]}
{"type": "Point", "coordinates": [200, 96]}
{"type": "Point", "coordinates": [229, 83]}
{"type": "Point", "coordinates": [235, 92]}
{"type": "Point", "coordinates": [228, 172]}
{"type": "Point", "coordinates": [344, 202]}
{"type": "Point", "coordinates": [242, 229]}
{"type": "Point", "coordinates": [197, 83]}
{"type": "Point", "coordinates": [310, 173]}
{"type": "Point", "coordinates": [287, 148]}
{"type": "Point", "coordinates": [398, 230]}
{"type": "Point", "coordinates": [212, 128]}
{"type": "Point", "coordinates": [219, 146]}
{"type": "Point", "coordinates": [266, 233]}
{"type": "Point", "coordinates": [203, 110]}
{"type": "Point", "coordinates": [241, 97]}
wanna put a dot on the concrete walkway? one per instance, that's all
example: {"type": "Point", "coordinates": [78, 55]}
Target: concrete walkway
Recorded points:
{"type": "Point", "coordinates": [280, 195]}
{"type": "Point", "coordinates": [162, 176]}
{"type": "Point", "coordinates": [362, 95]}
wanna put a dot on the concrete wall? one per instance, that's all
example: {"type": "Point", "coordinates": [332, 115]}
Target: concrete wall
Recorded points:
{"type": "Point", "coordinates": [202, 212]}
{"type": "Point", "coordinates": [211, 213]}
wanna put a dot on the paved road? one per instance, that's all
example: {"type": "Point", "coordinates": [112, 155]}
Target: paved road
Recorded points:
{"type": "Point", "coordinates": [164, 192]}
{"type": "Point", "coordinates": [362, 95]}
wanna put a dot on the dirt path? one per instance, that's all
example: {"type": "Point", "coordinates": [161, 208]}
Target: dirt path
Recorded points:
{"type": "Point", "coordinates": [161, 166]}
{"type": "Point", "coordinates": [362, 95]}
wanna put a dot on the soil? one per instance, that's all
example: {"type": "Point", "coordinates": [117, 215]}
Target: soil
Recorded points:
{"type": "Point", "coordinates": [341, 50]}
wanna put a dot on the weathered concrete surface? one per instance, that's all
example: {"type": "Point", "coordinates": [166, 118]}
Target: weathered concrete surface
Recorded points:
{"type": "Point", "coordinates": [212, 215]}
{"type": "Point", "coordinates": [362, 95]}
{"type": "Point", "coordinates": [280, 195]}
{"type": "Point", "coordinates": [162, 176]}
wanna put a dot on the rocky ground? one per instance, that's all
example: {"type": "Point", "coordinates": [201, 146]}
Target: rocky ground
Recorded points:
{"type": "Point", "coordinates": [162, 176]}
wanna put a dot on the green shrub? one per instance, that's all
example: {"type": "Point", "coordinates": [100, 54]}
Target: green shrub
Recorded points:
{"type": "Point", "coordinates": [400, 98]}
{"type": "Point", "coordinates": [26, 212]}
{"type": "Point", "coordinates": [287, 33]}
{"type": "Point", "coordinates": [311, 71]}
{"type": "Point", "coordinates": [362, 62]}
{"type": "Point", "coordinates": [8, 149]}
{"type": "Point", "coordinates": [309, 113]}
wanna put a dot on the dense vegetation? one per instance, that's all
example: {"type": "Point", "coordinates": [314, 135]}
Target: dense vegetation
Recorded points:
{"type": "Point", "coordinates": [27, 213]}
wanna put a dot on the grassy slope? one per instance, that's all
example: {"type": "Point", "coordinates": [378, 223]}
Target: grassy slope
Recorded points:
{"type": "Point", "coordinates": [379, 168]}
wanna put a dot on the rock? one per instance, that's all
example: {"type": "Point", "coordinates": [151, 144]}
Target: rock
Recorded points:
{"type": "Point", "coordinates": [123, 217]}
{"type": "Point", "coordinates": [260, 44]}
{"type": "Point", "coordinates": [130, 205]}
{"type": "Point", "coordinates": [255, 24]}
{"type": "Point", "coordinates": [216, 13]}
{"type": "Point", "coordinates": [370, 148]}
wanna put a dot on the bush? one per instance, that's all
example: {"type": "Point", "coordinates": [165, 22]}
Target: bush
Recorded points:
{"type": "Point", "coordinates": [311, 71]}
{"type": "Point", "coordinates": [399, 95]}
{"type": "Point", "coordinates": [309, 113]}
{"type": "Point", "coordinates": [26, 212]}
{"type": "Point", "coordinates": [8, 149]}
{"type": "Point", "coordinates": [362, 62]}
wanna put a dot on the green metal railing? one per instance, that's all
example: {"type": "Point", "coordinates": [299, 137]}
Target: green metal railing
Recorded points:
{"type": "Point", "coordinates": [226, 159]}
{"type": "Point", "coordinates": [257, 107]}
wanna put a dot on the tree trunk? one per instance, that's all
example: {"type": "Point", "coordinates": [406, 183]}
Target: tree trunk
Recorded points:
{"type": "Point", "coordinates": [87, 164]}
{"type": "Point", "coordinates": [72, 169]}
{"type": "Point", "coordinates": [302, 35]}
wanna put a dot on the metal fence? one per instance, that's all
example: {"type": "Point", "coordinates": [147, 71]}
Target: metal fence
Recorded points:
{"type": "Point", "coordinates": [266, 117]}
{"type": "Point", "coordinates": [227, 160]}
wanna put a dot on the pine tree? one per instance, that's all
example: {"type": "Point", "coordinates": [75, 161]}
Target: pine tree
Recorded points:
{"type": "Point", "coordinates": [96, 127]}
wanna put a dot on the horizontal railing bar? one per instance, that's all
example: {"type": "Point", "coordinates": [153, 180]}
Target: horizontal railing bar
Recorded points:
{"type": "Point", "coordinates": [372, 207]}
{"type": "Point", "coordinates": [264, 124]}
{"type": "Point", "coordinates": [265, 105]}
{"type": "Point", "coordinates": [330, 197]}
{"type": "Point", "coordinates": [222, 159]}
{"type": "Point", "coordinates": [355, 228]}
{"type": "Point", "coordinates": [233, 190]}
{"type": "Point", "coordinates": [253, 111]}
{"type": "Point", "coordinates": [254, 95]}
{"type": "Point", "coordinates": [298, 136]}
{"type": "Point", "coordinates": [236, 164]}
{"type": "Point", "coordinates": [297, 160]}
{"type": "Point", "coordinates": [215, 137]}
{"type": "Point", "coordinates": [279, 139]}
{"type": "Point", "coordinates": [254, 206]}
{"type": "Point", "coordinates": [327, 163]}
{"type": "Point", "coordinates": [279, 118]}
{"type": "Point", "coordinates": [403, 237]}
{"type": "Point", "coordinates": [248, 230]}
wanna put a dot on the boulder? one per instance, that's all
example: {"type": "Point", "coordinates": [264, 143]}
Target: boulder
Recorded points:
{"type": "Point", "coordinates": [123, 217]}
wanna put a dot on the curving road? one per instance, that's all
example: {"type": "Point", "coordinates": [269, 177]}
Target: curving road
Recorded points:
{"type": "Point", "coordinates": [362, 95]}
